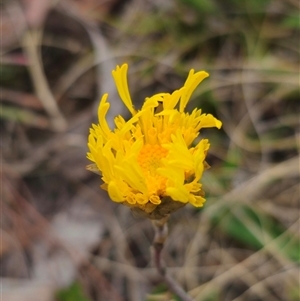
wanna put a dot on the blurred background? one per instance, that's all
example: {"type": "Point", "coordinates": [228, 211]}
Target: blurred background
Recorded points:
{"type": "Point", "coordinates": [62, 239]}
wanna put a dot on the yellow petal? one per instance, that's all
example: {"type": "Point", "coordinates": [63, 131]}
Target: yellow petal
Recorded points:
{"type": "Point", "coordinates": [170, 101]}
{"type": "Point", "coordinates": [154, 199]}
{"type": "Point", "coordinates": [120, 77]}
{"type": "Point", "coordinates": [132, 175]}
{"type": "Point", "coordinates": [152, 102]}
{"type": "Point", "coordinates": [208, 121]}
{"type": "Point", "coordinates": [141, 199]}
{"type": "Point", "coordinates": [190, 85]}
{"type": "Point", "coordinates": [114, 192]}
{"type": "Point", "coordinates": [102, 111]}
{"type": "Point", "coordinates": [176, 194]}
{"type": "Point", "coordinates": [196, 200]}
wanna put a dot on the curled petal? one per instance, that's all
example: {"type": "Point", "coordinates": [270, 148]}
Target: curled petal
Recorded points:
{"type": "Point", "coordinates": [120, 77]}
{"type": "Point", "coordinates": [190, 85]}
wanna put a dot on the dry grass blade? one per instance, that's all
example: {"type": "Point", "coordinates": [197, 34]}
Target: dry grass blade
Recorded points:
{"type": "Point", "coordinates": [31, 43]}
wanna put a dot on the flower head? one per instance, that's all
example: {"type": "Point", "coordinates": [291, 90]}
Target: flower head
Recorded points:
{"type": "Point", "coordinates": [149, 162]}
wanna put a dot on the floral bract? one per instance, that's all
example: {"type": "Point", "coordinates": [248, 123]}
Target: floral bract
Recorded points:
{"type": "Point", "coordinates": [150, 157]}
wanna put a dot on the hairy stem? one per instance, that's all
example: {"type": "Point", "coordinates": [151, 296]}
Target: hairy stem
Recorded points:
{"type": "Point", "coordinates": [161, 233]}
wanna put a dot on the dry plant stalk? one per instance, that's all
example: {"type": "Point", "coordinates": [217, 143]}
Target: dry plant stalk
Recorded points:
{"type": "Point", "coordinates": [161, 233]}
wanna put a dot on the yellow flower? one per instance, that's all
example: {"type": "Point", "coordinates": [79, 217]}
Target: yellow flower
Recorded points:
{"type": "Point", "coordinates": [149, 162]}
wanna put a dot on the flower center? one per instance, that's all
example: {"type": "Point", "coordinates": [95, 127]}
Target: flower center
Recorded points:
{"type": "Point", "coordinates": [150, 159]}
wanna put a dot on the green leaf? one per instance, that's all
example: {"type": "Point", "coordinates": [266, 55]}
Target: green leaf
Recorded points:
{"type": "Point", "coordinates": [203, 6]}
{"type": "Point", "coordinates": [72, 293]}
{"type": "Point", "coordinates": [291, 22]}
{"type": "Point", "coordinates": [256, 229]}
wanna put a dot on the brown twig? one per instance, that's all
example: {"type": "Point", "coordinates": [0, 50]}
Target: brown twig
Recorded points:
{"type": "Point", "coordinates": [161, 233]}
